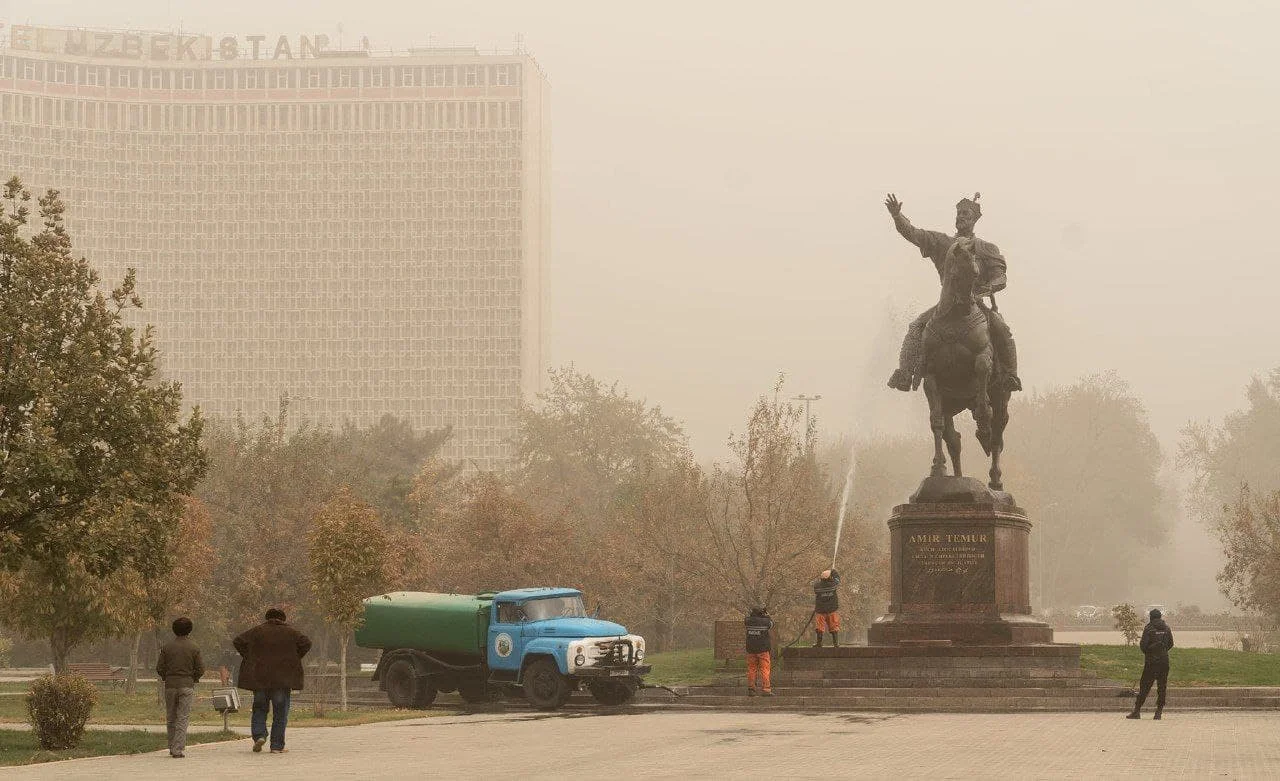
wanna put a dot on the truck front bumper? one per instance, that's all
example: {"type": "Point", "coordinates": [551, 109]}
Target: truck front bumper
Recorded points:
{"type": "Point", "coordinates": [635, 671]}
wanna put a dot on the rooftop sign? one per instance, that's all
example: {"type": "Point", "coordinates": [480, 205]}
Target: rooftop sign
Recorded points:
{"type": "Point", "coordinates": [164, 47]}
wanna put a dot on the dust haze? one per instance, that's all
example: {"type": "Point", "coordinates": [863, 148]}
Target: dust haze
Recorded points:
{"type": "Point", "coordinates": [719, 170]}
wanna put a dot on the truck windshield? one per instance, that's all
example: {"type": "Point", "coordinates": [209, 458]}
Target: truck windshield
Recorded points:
{"type": "Point", "coordinates": [554, 607]}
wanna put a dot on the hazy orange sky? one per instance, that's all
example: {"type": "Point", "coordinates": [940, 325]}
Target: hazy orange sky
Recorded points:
{"type": "Point", "coordinates": [719, 168]}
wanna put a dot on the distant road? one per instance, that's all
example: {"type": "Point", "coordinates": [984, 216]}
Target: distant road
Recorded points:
{"type": "Point", "coordinates": [1192, 638]}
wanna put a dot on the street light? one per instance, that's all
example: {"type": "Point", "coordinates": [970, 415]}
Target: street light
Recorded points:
{"type": "Point", "coordinates": [807, 401]}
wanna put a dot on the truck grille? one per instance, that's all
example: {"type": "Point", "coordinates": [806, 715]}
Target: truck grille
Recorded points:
{"type": "Point", "coordinates": [611, 653]}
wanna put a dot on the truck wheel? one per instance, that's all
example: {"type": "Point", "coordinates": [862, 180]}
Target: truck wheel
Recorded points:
{"type": "Point", "coordinates": [544, 687]}
{"type": "Point", "coordinates": [612, 692]}
{"type": "Point", "coordinates": [402, 685]}
{"type": "Point", "coordinates": [473, 691]}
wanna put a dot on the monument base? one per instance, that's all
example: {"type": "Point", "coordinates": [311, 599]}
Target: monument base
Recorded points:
{"type": "Point", "coordinates": [959, 569]}
{"type": "Point", "coordinates": [928, 630]}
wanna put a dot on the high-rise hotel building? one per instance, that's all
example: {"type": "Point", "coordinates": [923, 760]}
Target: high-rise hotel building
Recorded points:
{"type": "Point", "coordinates": [365, 234]}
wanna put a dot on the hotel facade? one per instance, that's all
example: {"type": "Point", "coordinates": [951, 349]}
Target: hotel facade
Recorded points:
{"type": "Point", "coordinates": [364, 234]}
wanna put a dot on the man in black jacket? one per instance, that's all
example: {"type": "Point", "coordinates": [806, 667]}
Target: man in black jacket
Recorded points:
{"type": "Point", "coordinates": [826, 606]}
{"type": "Point", "coordinates": [272, 669]}
{"type": "Point", "coordinates": [1156, 641]}
{"type": "Point", "coordinates": [759, 644]}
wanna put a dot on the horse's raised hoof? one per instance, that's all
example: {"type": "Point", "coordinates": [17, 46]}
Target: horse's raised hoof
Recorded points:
{"type": "Point", "coordinates": [984, 438]}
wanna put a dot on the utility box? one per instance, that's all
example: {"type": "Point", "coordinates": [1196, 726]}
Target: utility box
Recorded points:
{"type": "Point", "coordinates": [226, 700]}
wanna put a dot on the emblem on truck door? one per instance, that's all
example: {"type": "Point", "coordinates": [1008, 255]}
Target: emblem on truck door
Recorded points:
{"type": "Point", "coordinates": [502, 645]}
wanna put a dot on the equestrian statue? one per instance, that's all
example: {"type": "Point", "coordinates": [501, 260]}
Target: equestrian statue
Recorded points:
{"type": "Point", "coordinates": [960, 350]}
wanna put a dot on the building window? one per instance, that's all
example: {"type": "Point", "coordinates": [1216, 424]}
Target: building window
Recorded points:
{"type": "Point", "coordinates": [503, 76]}
{"type": "Point", "coordinates": [471, 76]}
{"type": "Point", "coordinates": [28, 70]}
{"type": "Point", "coordinates": [219, 79]}
{"type": "Point", "coordinates": [252, 79]}
{"type": "Point", "coordinates": [282, 79]}
{"type": "Point", "coordinates": [344, 77]}
{"type": "Point", "coordinates": [157, 79]}
{"type": "Point", "coordinates": [60, 73]}
{"type": "Point", "coordinates": [313, 77]}
{"type": "Point", "coordinates": [440, 75]}
{"type": "Point", "coordinates": [377, 77]}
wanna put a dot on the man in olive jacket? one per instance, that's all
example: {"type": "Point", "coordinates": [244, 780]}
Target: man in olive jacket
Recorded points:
{"type": "Point", "coordinates": [272, 669]}
{"type": "Point", "coordinates": [179, 665]}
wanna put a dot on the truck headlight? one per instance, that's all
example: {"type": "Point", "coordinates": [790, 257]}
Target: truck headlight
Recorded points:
{"type": "Point", "coordinates": [639, 653]}
{"type": "Point", "coordinates": [579, 660]}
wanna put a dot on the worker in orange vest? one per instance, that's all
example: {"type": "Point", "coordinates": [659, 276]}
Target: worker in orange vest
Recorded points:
{"type": "Point", "coordinates": [758, 649]}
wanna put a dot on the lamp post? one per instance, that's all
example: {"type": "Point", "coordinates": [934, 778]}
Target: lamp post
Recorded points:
{"type": "Point", "coordinates": [807, 418]}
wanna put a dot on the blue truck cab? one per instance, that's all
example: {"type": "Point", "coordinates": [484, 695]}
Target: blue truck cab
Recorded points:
{"type": "Point", "coordinates": [543, 640]}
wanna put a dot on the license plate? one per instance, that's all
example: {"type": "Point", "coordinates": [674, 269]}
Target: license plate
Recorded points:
{"type": "Point", "coordinates": [619, 673]}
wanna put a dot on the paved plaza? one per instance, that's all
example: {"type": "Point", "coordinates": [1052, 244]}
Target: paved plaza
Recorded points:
{"type": "Point", "coordinates": [681, 744]}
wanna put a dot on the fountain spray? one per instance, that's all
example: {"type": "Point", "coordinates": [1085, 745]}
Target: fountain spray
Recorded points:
{"type": "Point", "coordinates": [844, 502]}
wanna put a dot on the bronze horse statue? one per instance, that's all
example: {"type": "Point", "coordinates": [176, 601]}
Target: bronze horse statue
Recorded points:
{"type": "Point", "coordinates": [960, 369]}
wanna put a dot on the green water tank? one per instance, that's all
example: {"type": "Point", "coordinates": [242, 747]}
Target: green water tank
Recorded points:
{"type": "Point", "coordinates": [443, 623]}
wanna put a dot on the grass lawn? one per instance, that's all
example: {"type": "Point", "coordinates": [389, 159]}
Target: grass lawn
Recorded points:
{"type": "Point", "coordinates": [116, 707]}
{"type": "Point", "coordinates": [21, 748]}
{"type": "Point", "coordinates": [682, 668]}
{"type": "Point", "coordinates": [1188, 666]}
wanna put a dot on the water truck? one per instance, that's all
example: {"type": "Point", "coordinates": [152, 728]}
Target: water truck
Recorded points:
{"type": "Point", "coordinates": [536, 640]}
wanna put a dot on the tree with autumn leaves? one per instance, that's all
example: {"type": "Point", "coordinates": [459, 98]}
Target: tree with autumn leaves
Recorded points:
{"type": "Point", "coordinates": [1235, 491]}
{"type": "Point", "coordinates": [346, 554]}
{"type": "Point", "coordinates": [95, 456]}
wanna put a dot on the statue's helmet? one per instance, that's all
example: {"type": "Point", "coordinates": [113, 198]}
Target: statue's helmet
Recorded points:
{"type": "Point", "coordinates": [971, 204]}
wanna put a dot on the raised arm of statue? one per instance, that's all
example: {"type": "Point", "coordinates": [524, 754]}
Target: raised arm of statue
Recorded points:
{"type": "Point", "coordinates": [908, 231]}
{"type": "Point", "coordinates": [931, 244]}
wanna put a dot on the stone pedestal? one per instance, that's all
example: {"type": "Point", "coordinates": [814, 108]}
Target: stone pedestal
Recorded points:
{"type": "Point", "coordinates": [959, 569]}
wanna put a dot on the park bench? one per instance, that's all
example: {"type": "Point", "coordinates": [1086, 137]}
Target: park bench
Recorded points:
{"type": "Point", "coordinates": [98, 672]}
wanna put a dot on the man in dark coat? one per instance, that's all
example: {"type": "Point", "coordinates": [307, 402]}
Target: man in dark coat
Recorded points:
{"type": "Point", "coordinates": [179, 665]}
{"type": "Point", "coordinates": [272, 669]}
{"type": "Point", "coordinates": [826, 606]}
{"type": "Point", "coordinates": [759, 646]}
{"type": "Point", "coordinates": [1157, 639]}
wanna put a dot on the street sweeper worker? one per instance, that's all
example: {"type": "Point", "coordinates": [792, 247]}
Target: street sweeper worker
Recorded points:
{"type": "Point", "coordinates": [759, 646]}
{"type": "Point", "coordinates": [826, 606]}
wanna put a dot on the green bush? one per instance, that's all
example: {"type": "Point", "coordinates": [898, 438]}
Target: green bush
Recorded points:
{"type": "Point", "coordinates": [58, 707]}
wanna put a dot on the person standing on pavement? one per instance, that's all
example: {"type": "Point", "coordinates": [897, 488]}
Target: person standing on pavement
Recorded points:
{"type": "Point", "coordinates": [1157, 639]}
{"type": "Point", "coordinates": [826, 606]}
{"type": "Point", "coordinates": [179, 665]}
{"type": "Point", "coordinates": [271, 668]}
{"type": "Point", "coordinates": [759, 648]}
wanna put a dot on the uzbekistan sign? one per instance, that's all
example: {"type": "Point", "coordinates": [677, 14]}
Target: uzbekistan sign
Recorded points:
{"type": "Point", "coordinates": [163, 47]}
